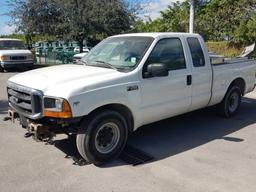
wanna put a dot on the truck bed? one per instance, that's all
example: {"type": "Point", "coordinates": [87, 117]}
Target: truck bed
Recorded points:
{"type": "Point", "coordinates": [221, 60]}
{"type": "Point", "coordinates": [224, 73]}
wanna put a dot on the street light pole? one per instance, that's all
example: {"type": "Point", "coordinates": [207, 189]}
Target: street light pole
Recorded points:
{"type": "Point", "coordinates": [192, 16]}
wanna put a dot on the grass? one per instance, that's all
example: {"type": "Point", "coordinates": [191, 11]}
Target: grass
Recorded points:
{"type": "Point", "coordinates": [224, 48]}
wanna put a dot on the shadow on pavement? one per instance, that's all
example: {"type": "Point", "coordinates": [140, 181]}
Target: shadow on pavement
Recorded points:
{"type": "Point", "coordinates": [68, 146]}
{"type": "Point", "coordinates": [179, 134]}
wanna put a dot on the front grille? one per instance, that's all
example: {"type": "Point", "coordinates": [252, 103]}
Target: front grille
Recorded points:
{"type": "Point", "coordinates": [25, 101]}
{"type": "Point", "coordinates": [16, 58]}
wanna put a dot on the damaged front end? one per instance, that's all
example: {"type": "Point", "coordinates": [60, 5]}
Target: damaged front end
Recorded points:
{"type": "Point", "coordinates": [39, 115]}
{"type": "Point", "coordinates": [44, 129]}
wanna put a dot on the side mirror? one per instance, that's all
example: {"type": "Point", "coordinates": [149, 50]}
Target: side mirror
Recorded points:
{"type": "Point", "coordinates": [156, 70]}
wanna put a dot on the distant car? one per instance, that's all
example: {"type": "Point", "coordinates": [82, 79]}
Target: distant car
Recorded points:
{"type": "Point", "coordinates": [85, 50]}
{"type": "Point", "coordinates": [14, 54]}
{"type": "Point", "coordinates": [78, 57]}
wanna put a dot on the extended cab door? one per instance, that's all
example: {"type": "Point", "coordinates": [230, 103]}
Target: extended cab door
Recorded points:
{"type": "Point", "coordinates": [163, 97]}
{"type": "Point", "coordinates": [201, 73]}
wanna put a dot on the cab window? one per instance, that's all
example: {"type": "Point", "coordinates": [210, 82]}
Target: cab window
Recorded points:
{"type": "Point", "coordinates": [170, 52]}
{"type": "Point", "coordinates": [196, 52]}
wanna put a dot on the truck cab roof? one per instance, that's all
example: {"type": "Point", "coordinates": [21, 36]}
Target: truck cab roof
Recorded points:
{"type": "Point", "coordinates": [159, 35]}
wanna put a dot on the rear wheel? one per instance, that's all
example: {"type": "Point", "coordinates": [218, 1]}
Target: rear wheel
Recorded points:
{"type": "Point", "coordinates": [231, 102]}
{"type": "Point", "coordinates": [1, 69]}
{"type": "Point", "coordinates": [102, 137]}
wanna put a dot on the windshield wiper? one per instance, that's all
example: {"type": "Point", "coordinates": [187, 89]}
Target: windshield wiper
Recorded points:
{"type": "Point", "coordinates": [106, 64]}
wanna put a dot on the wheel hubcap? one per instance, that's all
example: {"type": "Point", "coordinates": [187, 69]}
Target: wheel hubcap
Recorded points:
{"type": "Point", "coordinates": [107, 137]}
{"type": "Point", "coordinates": [233, 102]}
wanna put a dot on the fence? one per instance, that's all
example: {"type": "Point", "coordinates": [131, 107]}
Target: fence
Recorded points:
{"type": "Point", "coordinates": [51, 57]}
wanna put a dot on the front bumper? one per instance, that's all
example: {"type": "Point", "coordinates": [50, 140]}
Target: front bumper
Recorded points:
{"type": "Point", "coordinates": [44, 128]}
{"type": "Point", "coordinates": [16, 64]}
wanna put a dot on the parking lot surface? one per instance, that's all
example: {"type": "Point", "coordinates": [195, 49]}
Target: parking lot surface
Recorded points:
{"type": "Point", "coordinates": [194, 152]}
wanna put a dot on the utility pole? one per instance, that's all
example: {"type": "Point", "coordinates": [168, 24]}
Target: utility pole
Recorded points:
{"type": "Point", "coordinates": [192, 16]}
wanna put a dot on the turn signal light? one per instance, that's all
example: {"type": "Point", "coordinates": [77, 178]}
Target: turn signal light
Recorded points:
{"type": "Point", "coordinates": [65, 113]}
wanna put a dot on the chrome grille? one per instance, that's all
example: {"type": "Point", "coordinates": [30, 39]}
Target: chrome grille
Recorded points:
{"type": "Point", "coordinates": [25, 101]}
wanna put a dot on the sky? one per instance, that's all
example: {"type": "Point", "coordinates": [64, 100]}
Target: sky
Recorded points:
{"type": "Point", "coordinates": [152, 9]}
{"type": "Point", "coordinates": [4, 19]}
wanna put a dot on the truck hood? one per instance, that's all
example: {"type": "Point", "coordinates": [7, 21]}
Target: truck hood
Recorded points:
{"type": "Point", "coordinates": [64, 79]}
{"type": "Point", "coordinates": [14, 52]}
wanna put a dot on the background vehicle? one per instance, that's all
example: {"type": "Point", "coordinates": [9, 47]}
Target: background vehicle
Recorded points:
{"type": "Point", "coordinates": [77, 57]}
{"type": "Point", "coordinates": [85, 50]}
{"type": "Point", "coordinates": [14, 54]}
{"type": "Point", "coordinates": [127, 81]}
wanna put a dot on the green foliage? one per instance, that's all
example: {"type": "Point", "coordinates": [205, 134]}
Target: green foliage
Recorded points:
{"type": "Point", "coordinates": [71, 19]}
{"type": "Point", "coordinates": [251, 26]}
{"type": "Point", "coordinates": [14, 36]}
{"type": "Point", "coordinates": [246, 31]}
{"type": "Point", "coordinates": [149, 26]}
{"type": "Point", "coordinates": [217, 20]}
{"type": "Point", "coordinates": [35, 38]}
{"type": "Point", "coordinates": [173, 19]}
{"type": "Point", "coordinates": [227, 19]}
{"type": "Point", "coordinates": [176, 17]}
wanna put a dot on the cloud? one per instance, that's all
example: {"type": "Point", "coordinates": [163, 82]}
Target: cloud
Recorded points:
{"type": "Point", "coordinates": [7, 29]}
{"type": "Point", "coordinates": [153, 8]}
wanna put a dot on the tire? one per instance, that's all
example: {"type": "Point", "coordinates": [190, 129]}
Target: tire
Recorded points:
{"type": "Point", "coordinates": [1, 69]}
{"type": "Point", "coordinates": [102, 137]}
{"type": "Point", "coordinates": [231, 102]}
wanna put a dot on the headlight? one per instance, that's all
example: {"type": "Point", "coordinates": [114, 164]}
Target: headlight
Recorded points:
{"type": "Point", "coordinates": [56, 107]}
{"type": "Point", "coordinates": [4, 58]}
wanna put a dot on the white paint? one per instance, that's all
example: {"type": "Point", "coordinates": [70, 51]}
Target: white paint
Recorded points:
{"type": "Point", "coordinates": [15, 52]}
{"type": "Point", "coordinates": [192, 16]}
{"type": "Point", "coordinates": [157, 98]}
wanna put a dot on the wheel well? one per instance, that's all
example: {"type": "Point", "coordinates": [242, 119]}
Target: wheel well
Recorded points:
{"type": "Point", "coordinates": [239, 82]}
{"type": "Point", "coordinates": [122, 109]}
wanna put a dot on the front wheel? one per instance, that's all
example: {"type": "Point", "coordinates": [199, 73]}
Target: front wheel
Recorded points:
{"type": "Point", "coordinates": [231, 102]}
{"type": "Point", "coordinates": [102, 137]}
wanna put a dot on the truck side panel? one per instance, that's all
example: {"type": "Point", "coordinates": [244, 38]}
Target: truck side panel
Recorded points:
{"type": "Point", "coordinates": [224, 75]}
{"type": "Point", "coordinates": [201, 73]}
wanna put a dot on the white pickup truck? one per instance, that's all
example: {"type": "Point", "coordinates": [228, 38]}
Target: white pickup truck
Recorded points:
{"type": "Point", "coordinates": [13, 54]}
{"type": "Point", "coordinates": [126, 81]}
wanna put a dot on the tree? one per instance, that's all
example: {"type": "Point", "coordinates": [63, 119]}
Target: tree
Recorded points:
{"type": "Point", "coordinates": [223, 17]}
{"type": "Point", "coordinates": [251, 33]}
{"type": "Point", "coordinates": [71, 19]}
{"type": "Point", "coordinates": [232, 20]}
{"type": "Point", "coordinates": [35, 17]}
{"type": "Point", "coordinates": [176, 17]}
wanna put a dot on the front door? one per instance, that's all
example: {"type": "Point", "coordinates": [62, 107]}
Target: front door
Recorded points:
{"type": "Point", "coordinates": [163, 97]}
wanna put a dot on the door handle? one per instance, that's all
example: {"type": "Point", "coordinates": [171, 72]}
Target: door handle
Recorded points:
{"type": "Point", "coordinates": [189, 79]}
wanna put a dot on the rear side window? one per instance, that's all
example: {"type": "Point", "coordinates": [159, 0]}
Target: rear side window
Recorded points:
{"type": "Point", "coordinates": [196, 52]}
{"type": "Point", "coordinates": [170, 52]}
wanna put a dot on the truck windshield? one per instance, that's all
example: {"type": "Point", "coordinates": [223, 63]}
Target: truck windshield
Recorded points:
{"type": "Point", "coordinates": [121, 53]}
{"type": "Point", "coordinates": [11, 45]}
